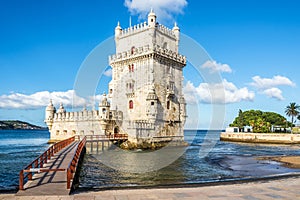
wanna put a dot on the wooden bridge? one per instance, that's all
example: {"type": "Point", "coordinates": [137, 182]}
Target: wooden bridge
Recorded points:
{"type": "Point", "coordinates": [54, 171]}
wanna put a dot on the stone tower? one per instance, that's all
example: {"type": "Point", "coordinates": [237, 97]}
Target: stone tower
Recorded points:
{"type": "Point", "coordinates": [146, 83]}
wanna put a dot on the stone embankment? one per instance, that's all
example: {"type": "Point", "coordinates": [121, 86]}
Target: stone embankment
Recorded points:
{"type": "Point", "coordinates": [271, 138]}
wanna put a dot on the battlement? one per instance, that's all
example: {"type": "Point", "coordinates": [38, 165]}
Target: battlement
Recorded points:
{"type": "Point", "coordinates": [87, 115]}
{"type": "Point", "coordinates": [165, 30]}
{"type": "Point", "coordinates": [77, 116]}
{"type": "Point", "coordinates": [145, 50]}
{"type": "Point", "coordinates": [134, 29]}
{"type": "Point", "coordinates": [144, 26]}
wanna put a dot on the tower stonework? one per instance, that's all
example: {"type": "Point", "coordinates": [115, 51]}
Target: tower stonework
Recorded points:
{"type": "Point", "coordinates": [147, 81]}
{"type": "Point", "coordinates": [145, 98]}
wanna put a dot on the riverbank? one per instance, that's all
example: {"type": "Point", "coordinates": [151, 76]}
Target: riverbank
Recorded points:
{"type": "Point", "coordinates": [270, 138]}
{"type": "Point", "coordinates": [285, 188]}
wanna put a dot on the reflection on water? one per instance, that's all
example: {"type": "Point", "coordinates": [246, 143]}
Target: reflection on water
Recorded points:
{"type": "Point", "coordinates": [223, 161]}
{"type": "Point", "coordinates": [139, 161]}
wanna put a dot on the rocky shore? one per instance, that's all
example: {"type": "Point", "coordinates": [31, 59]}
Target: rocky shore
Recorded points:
{"type": "Point", "coordinates": [150, 145]}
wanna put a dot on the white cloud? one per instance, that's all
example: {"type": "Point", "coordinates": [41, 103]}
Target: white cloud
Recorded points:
{"type": "Point", "coordinates": [41, 99]}
{"type": "Point", "coordinates": [215, 67]}
{"type": "Point", "coordinates": [266, 83]}
{"type": "Point", "coordinates": [108, 72]}
{"type": "Point", "coordinates": [164, 9]}
{"type": "Point", "coordinates": [219, 93]}
{"type": "Point", "coordinates": [274, 93]}
{"type": "Point", "coordinates": [269, 86]}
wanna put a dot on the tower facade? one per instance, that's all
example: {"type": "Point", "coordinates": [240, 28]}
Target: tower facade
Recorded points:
{"type": "Point", "coordinates": [146, 83]}
{"type": "Point", "coordinates": [145, 98]}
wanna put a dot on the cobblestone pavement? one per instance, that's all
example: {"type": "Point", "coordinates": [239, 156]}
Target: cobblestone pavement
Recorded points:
{"type": "Point", "coordinates": [287, 188]}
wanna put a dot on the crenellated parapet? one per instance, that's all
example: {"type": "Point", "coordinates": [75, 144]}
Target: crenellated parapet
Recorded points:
{"type": "Point", "coordinates": [134, 29]}
{"type": "Point", "coordinates": [85, 115]}
{"type": "Point", "coordinates": [147, 50]}
{"type": "Point", "coordinates": [144, 26]}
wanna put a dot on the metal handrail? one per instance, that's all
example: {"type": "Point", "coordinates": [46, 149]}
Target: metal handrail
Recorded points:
{"type": "Point", "coordinates": [71, 170]}
{"type": "Point", "coordinates": [36, 165]}
{"type": "Point", "coordinates": [106, 137]}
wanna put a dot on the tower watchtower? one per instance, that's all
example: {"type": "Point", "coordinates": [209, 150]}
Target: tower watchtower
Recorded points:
{"type": "Point", "coordinates": [147, 80]}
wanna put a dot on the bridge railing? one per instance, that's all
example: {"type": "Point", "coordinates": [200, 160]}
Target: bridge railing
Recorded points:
{"type": "Point", "coordinates": [71, 170]}
{"type": "Point", "coordinates": [104, 137]}
{"type": "Point", "coordinates": [36, 165]}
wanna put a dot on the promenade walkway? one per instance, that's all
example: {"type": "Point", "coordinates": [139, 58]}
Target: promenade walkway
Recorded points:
{"type": "Point", "coordinates": [52, 182]}
{"type": "Point", "coordinates": [285, 188]}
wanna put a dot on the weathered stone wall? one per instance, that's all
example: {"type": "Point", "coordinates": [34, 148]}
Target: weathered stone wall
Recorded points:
{"type": "Point", "coordinates": [261, 138]}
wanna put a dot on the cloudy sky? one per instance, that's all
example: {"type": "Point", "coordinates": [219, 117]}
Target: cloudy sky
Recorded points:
{"type": "Point", "coordinates": [254, 48]}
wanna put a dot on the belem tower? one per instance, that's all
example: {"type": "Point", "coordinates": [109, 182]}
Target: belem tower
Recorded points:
{"type": "Point", "coordinates": [145, 98]}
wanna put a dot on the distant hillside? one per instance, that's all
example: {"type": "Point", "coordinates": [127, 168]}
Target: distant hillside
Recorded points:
{"type": "Point", "coordinates": [16, 124]}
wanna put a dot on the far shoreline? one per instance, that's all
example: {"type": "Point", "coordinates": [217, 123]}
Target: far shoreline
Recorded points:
{"type": "Point", "coordinates": [266, 138]}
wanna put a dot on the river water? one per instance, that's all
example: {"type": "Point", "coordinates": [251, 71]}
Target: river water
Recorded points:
{"type": "Point", "coordinates": [205, 160]}
{"type": "Point", "coordinates": [17, 149]}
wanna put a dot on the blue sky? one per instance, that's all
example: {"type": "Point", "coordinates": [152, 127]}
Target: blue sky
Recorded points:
{"type": "Point", "coordinates": [255, 46]}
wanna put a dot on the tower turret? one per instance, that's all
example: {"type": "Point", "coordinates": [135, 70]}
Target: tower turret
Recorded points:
{"type": "Point", "coordinates": [104, 107]}
{"type": "Point", "coordinates": [61, 109]}
{"type": "Point", "coordinates": [152, 105]}
{"type": "Point", "coordinates": [151, 19]}
{"type": "Point", "coordinates": [176, 32]}
{"type": "Point", "coordinates": [118, 32]}
{"type": "Point", "coordinates": [50, 110]}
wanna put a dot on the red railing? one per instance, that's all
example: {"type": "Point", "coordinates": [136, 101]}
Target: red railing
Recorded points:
{"type": "Point", "coordinates": [105, 137]}
{"type": "Point", "coordinates": [74, 162]}
{"type": "Point", "coordinates": [36, 165]}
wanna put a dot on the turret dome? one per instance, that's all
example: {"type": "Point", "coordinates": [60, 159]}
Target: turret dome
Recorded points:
{"type": "Point", "coordinates": [50, 107]}
{"type": "Point", "coordinates": [61, 109]}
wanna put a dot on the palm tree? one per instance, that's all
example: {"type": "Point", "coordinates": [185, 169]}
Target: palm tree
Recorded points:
{"type": "Point", "coordinates": [292, 110]}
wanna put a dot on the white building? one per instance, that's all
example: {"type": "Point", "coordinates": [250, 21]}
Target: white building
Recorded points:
{"type": "Point", "coordinates": [145, 98]}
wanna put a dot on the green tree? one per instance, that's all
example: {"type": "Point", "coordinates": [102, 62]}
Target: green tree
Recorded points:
{"type": "Point", "coordinates": [292, 110]}
{"type": "Point", "coordinates": [259, 120]}
{"type": "Point", "coordinates": [240, 120]}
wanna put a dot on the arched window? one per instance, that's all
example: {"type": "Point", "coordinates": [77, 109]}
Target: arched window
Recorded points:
{"type": "Point", "coordinates": [132, 67]}
{"type": "Point", "coordinates": [130, 104]}
{"type": "Point", "coordinates": [132, 50]}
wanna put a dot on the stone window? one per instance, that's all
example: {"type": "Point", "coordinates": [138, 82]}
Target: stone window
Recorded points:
{"type": "Point", "coordinates": [131, 68]}
{"type": "Point", "coordinates": [130, 86]}
{"type": "Point", "coordinates": [130, 104]}
{"type": "Point", "coordinates": [132, 50]}
{"type": "Point", "coordinates": [168, 105]}
{"type": "Point", "coordinates": [152, 103]}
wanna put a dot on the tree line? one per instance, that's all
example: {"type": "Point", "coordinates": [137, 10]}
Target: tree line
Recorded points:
{"type": "Point", "coordinates": [262, 122]}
